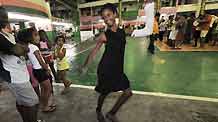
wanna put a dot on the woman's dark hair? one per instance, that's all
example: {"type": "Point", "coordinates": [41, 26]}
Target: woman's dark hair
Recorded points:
{"type": "Point", "coordinates": [157, 14]}
{"type": "Point", "coordinates": [43, 36]}
{"type": "Point", "coordinates": [109, 6]}
{"type": "Point", "coordinates": [3, 18]}
{"type": "Point", "coordinates": [26, 35]}
{"type": "Point", "coordinates": [62, 37]}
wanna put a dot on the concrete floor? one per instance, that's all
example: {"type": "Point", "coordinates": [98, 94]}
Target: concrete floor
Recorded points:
{"type": "Point", "coordinates": [184, 73]}
{"type": "Point", "coordinates": [79, 106]}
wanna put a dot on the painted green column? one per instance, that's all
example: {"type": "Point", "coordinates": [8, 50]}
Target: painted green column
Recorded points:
{"type": "Point", "coordinates": [203, 4]}
{"type": "Point", "coordinates": [120, 12]}
{"type": "Point", "coordinates": [22, 25]}
{"type": "Point", "coordinates": [157, 2]}
{"type": "Point", "coordinates": [76, 21]}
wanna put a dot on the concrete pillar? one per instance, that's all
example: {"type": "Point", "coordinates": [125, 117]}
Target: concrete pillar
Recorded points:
{"type": "Point", "coordinates": [120, 12]}
{"type": "Point", "coordinates": [203, 4]}
{"type": "Point", "coordinates": [157, 2]}
{"type": "Point", "coordinates": [92, 27]}
{"type": "Point", "coordinates": [201, 7]}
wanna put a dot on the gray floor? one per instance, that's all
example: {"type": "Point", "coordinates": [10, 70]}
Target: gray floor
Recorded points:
{"type": "Point", "coordinates": [79, 106]}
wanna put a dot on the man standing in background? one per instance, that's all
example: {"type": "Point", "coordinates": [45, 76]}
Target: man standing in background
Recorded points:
{"type": "Point", "coordinates": [147, 31]}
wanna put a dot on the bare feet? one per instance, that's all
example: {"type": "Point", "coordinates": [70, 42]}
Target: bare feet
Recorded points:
{"type": "Point", "coordinates": [48, 109]}
{"type": "Point", "coordinates": [100, 116]}
{"type": "Point", "coordinates": [65, 91]}
{"type": "Point", "coordinates": [68, 84]}
{"type": "Point", "coordinates": [112, 117]}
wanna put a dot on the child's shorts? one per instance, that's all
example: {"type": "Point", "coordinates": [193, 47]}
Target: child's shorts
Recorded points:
{"type": "Point", "coordinates": [41, 75]}
{"type": "Point", "coordinates": [24, 93]}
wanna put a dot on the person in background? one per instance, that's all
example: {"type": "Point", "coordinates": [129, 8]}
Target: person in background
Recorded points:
{"type": "Point", "coordinates": [180, 27]}
{"type": "Point", "coordinates": [189, 30]}
{"type": "Point", "coordinates": [170, 27]}
{"type": "Point", "coordinates": [45, 47]}
{"type": "Point", "coordinates": [173, 33]}
{"type": "Point", "coordinates": [62, 63]}
{"type": "Point", "coordinates": [155, 33]}
{"type": "Point", "coordinates": [41, 70]}
{"type": "Point", "coordinates": [13, 70]}
{"type": "Point", "coordinates": [147, 31]}
{"type": "Point", "coordinates": [161, 20]}
{"type": "Point", "coordinates": [210, 34]}
{"type": "Point", "coordinates": [196, 32]}
{"type": "Point", "coordinates": [162, 29]}
{"type": "Point", "coordinates": [204, 24]}
{"type": "Point", "coordinates": [214, 33]}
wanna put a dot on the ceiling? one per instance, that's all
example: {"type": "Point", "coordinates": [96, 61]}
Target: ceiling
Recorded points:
{"type": "Point", "coordinates": [63, 8]}
{"type": "Point", "coordinates": [66, 9]}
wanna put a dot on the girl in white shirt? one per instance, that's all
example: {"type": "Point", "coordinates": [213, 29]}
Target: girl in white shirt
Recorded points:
{"type": "Point", "coordinates": [41, 70]}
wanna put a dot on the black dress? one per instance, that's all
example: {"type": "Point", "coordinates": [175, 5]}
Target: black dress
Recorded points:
{"type": "Point", "coordinates": [111, 77]}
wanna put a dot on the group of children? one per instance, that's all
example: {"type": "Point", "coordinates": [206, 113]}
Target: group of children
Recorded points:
{"type": "Point", "coordinates": [39, 61]}
{"type": "Point", "coordinates": [110, 71]}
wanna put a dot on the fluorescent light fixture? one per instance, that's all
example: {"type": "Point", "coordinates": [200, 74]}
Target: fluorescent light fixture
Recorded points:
{"type": "Point", "coordinates": [62, 23]}
{"type": "Point", "coordinates": [101, 20]}
{"type": "Point", "coordinates": [18, 16]}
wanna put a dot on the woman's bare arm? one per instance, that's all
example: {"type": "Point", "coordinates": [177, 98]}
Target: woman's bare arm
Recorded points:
{"type": "Point", "coordinates": [61, 54]}
{"type": "Point", "coordinates": [100, 40]}
{"type": "Point", "coordinates": [40, 59]}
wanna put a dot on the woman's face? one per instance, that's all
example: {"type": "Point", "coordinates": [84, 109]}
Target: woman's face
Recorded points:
{"type": "Point", "coordinates": [109, 17]}
{"type": "Point", "coordinates": [36, 37]}
{"type": "Point", "coordinates": [60, 41]}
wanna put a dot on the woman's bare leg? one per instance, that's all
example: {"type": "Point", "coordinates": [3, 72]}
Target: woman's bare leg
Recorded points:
{"type": "Point", "coordinates": [121, 100]}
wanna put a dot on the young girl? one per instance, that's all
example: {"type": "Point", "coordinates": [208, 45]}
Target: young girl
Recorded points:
{"type": "Point", "coordinates": [45, 47]}
{"type": "Point", "coordinates": [62, 63]}
{"type": "Point", "coordinates": [111, 77]}
{"type": "Point", "coordinates": [41, 70]}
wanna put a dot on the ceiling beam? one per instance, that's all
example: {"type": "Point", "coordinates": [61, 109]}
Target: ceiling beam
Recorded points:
{"type": "Point", "coordinates": [64, 4]}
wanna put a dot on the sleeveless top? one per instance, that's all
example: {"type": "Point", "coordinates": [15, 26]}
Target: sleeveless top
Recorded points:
{"type": "Point", "coordinates": [62, 64]}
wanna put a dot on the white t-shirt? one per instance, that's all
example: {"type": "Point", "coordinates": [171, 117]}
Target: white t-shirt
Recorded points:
{"type": "Point", "coordinates": [32, 57]}
{"type": "Point", "coordinates": [13, 68]}
{"type": "Point", "coordinates": [16, 66]}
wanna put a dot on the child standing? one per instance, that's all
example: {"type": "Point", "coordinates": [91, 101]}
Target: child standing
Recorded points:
{"type": "Point", "coordinates": [62, 63]}
{"type": "Point", "coordinates": [111, 77]}
{"type": "Point", "coordinates": [41, 70]}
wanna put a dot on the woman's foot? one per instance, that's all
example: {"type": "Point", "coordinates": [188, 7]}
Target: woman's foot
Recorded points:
{"type": "Point", "coordinates": [100, 116]}
{"type": "Point", "coordinates": [112, 117]}
{"type": "Point", "coordinates": [52, 105]}
{"type": "Point", "coordinates": [65, 91]}
{"type": "Point", "coordinates": [48, 109]}
{"type": "Point", "coordinates": [51, 101]}
{"type": "Point", "coordinates": [68, 84]}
